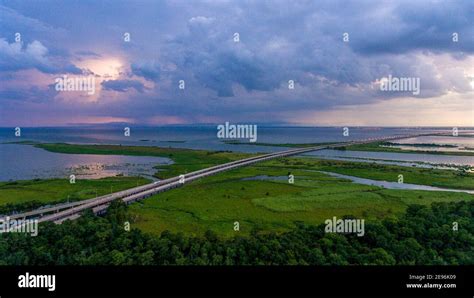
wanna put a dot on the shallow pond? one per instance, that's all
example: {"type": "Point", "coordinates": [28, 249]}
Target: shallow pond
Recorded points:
{"type": "Point", "coordinates": [394, 185]}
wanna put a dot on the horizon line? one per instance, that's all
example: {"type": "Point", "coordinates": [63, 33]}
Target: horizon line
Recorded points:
{"type": "Point", "coordinates": [236, 123]}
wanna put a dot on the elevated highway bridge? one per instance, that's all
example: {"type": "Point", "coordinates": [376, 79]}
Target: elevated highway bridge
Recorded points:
{"type": "Point", "coordinates": [99, 205]}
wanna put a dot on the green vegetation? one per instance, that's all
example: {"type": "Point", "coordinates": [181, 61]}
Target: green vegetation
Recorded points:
{"type": "Point", "coordinates": [385, 147]}
{"type": "Point", "coordinates": [423, 235]}
{"type": "Point", "coordinates": [460, 179]}
{"type": "Point", "coordinates": [185, 160]}
{"type": "Point", "coordinates": [215, 203]}
{"type": "Point", "coordinates": [26, 142]}
{"type": "Point", "coordinates": [26, 195]}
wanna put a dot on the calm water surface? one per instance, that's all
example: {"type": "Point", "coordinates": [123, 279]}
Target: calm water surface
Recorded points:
{"type": "Point", "coordinates": [22, 162]}
{"type": "Point", "coordinates": [26, 162]}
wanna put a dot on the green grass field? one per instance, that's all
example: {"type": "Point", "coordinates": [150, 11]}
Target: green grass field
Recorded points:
{"type": "Point", "coordinates": [56, 190]}
{"type": "Point", "coordinates": [215, 203]}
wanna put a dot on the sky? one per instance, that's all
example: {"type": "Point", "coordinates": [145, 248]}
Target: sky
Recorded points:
{"type": "Point", "coordinates": [291, 62]}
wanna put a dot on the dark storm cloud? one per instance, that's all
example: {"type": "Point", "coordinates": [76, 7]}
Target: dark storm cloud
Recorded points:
{"type": "Point", "coordinates": [123, 85]}
{"type": "Point", "coordinates": [148, 70]}
{"type": "Point", "coordinates": [418, 25]}
{"type": "Point", "coordinates": [281, 41]}
{"type": "Point", "coordinates": [88, 54]}
{"type": "Point", "coordinates": [31, 94]}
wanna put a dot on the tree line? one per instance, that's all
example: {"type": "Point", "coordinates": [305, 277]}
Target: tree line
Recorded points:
{"type": "Point", "coordinates": [423, 235]}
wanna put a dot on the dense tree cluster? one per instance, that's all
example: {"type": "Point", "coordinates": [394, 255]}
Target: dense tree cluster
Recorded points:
{"type": "Point", "coordinates": [423, 235]}
{"type": "Point", "coordinates": [10, 208]}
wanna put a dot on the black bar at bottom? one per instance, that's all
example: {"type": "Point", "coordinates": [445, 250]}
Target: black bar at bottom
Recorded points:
{"type": "Point", "coordinates": [244, 280]}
